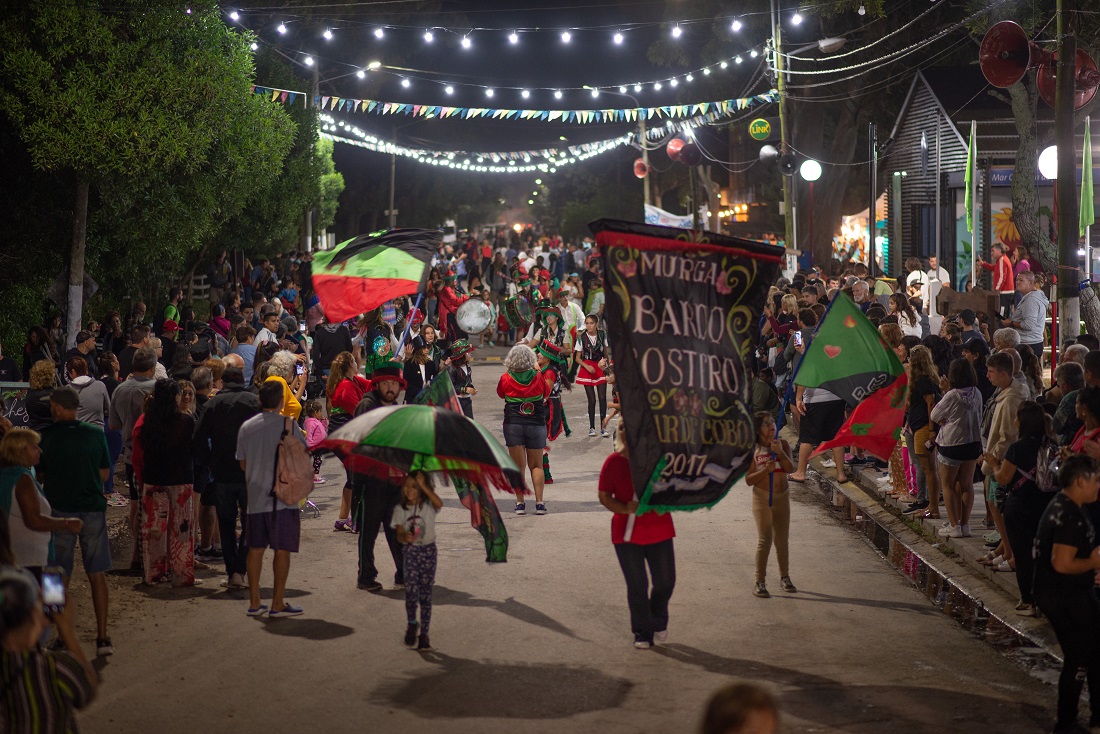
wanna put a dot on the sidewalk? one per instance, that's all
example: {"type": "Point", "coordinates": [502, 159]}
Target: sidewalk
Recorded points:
{"type": "Point", "coordinates": [978, 598]}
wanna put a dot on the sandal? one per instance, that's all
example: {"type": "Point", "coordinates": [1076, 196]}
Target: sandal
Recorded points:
{"type": "Point", "coordinates": [1004, 567]}
{"type": "Point", "coordinates": [929, 515]}
{"type": "Point", "coordinates": [987, 558]}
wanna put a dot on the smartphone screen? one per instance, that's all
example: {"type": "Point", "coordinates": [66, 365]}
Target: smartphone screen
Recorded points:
{"type": "Point", "coordinates": [53, 591]}
{"type": "Point", "coordinates": [302, 327]}
{"type": "Point", "coordinates": [798, 338]}
{"type": "Point", "coordinates": [299, 368]}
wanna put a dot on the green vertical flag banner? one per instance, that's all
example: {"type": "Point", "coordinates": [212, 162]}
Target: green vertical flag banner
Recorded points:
{"type": "Point", "coordinates": [971, 174]}
{"type": "Point", "coordinates": [846, 355]}
{"type": "Point", "coordinates": [1088, 208]}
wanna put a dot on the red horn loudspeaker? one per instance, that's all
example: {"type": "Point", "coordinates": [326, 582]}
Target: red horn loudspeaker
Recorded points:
{"type": "Point", "coordinates": [641, 170]}
{"type": "Point", "coordinates": [1006, 54]}
{"type": "Point", "coordinates": [1086, 79]}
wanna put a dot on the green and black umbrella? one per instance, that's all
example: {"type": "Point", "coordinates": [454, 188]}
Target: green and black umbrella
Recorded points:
{"type": "Point", "coordinates": [392, 441]}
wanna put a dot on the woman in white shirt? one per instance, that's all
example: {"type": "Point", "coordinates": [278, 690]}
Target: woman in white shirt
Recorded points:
{"type": "Point", "coordinates": [907, 317]}
{"type": "Point", "coordinates": [29, 514]}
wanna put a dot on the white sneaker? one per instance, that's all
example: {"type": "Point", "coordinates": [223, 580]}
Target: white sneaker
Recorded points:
{"type": "Point", "coordinates": [591, 431]}
{"type": "Point", "coordinates": [828, 464]}
{"type": "Point", "coordinates": [953, 531]}
{"type": "Point", "coordinates": [661, 636]}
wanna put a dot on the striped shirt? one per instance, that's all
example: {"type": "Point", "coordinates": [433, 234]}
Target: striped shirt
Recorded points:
{"type": "Point", "coordinates": [40, 690]}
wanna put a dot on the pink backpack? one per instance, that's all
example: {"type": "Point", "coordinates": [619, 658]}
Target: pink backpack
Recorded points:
{"type": "Point", "coordinates": [293, 468]}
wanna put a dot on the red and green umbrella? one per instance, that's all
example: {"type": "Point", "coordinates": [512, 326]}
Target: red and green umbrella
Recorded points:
{"type": "Point", "coordinates": [392, 441]}
{"type": "Point", "coordinates": [363, 273]}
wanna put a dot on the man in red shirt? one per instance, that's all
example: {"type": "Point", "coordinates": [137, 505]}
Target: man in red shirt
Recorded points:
{"type": "Point", "coordinates": [1003, 280]}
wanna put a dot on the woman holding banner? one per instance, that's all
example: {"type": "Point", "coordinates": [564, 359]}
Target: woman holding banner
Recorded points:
{"type": "Point", "coordinates": [647, 540]}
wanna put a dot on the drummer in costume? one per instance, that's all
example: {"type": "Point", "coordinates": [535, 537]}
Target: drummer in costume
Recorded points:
{"type": "Point", "coordinates": [553, 362]}
{"type": "Point", "coordinates": [461, 374]}
{"type": "Point", "coordinates": [591, 353]}
{"type": "Point", "coordinates": [547, 326]}
{"type": "Point", "coordinates": [449, 301]}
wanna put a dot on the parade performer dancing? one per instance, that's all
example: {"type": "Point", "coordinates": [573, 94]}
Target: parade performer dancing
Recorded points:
{"type": "Point", "coordinates": [524, 392]}
{"type": "Point", "coordinates": [461, 374]}
{"type": "Point", "coordinates": [592, 348]}
{"type": "Point", "coordinates": [552, 365]}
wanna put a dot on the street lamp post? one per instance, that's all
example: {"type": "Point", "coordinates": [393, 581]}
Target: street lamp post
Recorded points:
{"type": "Point", "coordinates": [810, 170]}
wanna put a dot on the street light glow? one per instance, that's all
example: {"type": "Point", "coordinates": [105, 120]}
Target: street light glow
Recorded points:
{"type": "Point", "coordinates": [327, 34]}
{"type": "Point", "coordinates": [428, 37]}
{"type": "Point", "coordinates": [557, 94]}
{"type": "Point", "coordinates": [796, 19]}
{"type": "Point", "coordinates": [736, 26]}
{"type": "Point", "coordinates": [449, 89]}
{"type": "Point", "coordinates": [810, 170]}
{"type": "Point", "coordinates": [676, 32]}
{"type": "Point", "coordinates": [566, 37]}
{"type": "Point", "coordinates": [513, 38]}
{"type": "Point", "coordinates": [618, 39]}
{"type": "Point", "coordinates": [281, 28]}
{"type": "Point", "coordinates": [361, 74]}
{"type": "Point", "coordinates": [378, 33]}
{"type": "Point", "coordinates": [466, 42]}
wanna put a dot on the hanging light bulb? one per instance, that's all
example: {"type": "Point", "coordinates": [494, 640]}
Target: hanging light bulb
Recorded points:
{"type": "Point", "coordinates": [513, 38]}
{"type": "Point", "coordinates": [706, 71]}
{"type": "Point", "coordinates": [488, 92]}
{"type": "Point", "coordinates": [308, 61]}
{"type": "Point", "coordinates": [735, 26]}
{"type": "Point", "coordinates": [754, 53]}
{"type": "Point", "coordinates": [281, 28]}
{"type": "Point", "coordinates": [557, 94]}
{"type": "Point", "coordinates": [618, 39]}
{"type": "Point", "coordinates": [449, 89]}
{"type": "Point", "coordinates": [235, 15]}
{"type": "Point", "coordinates": [724, 65]}
{"type": "Point", "coordinates": [466, 42]}
{"type": "Point", "coordinates": [676, 32]}
{"type": "Point", "coordinates": [361, 74]}
{"type": "Point", "coordinates": [254, 46]}
{"type": "Point", "coordinates": [689, 78]}
{"type": "Point", "coordinates": [405, 83]}
{"type": "Point", "coordinates": [657, 86]}
{"type": "Point", "coordinates": [378, 33]}
{"type": "Point", "coordinates": [566, 36]}
{"type": "Point", "coordinates": [862, 10]}
{"type": "Point", "coordinates": [796, 19]}
{"type": "Point", "coordinates": [595, 93]}
{"type": "Point", "coordinates": [673, 82]}
{"type": "Point", "coordinates": [637, 87]}
{"type": "Point", "coordinates": [525, 94]}
{"type": "Point", "coordinates": [428, 37]}
{"type": "Point", "coordinates": [327, 34]}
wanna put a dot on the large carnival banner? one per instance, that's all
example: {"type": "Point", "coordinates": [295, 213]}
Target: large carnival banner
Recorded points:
{"type": "Point", "coordinates": [682, 312]}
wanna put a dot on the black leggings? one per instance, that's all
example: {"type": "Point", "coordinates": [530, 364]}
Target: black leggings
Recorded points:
{"type": "Point", "coordinates": [1075, 618]}
{"type": "Point", "coordinates": [591, 390]}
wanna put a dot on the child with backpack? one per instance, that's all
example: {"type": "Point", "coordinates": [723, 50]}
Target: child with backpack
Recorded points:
{"type": "Point", "coordinates": [316, 426]}
{"type": "Point", "coordinates": [414, 520]}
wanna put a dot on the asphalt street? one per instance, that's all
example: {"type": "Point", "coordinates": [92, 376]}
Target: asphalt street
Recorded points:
{"type": "Point", "coordinates": [543, 642]}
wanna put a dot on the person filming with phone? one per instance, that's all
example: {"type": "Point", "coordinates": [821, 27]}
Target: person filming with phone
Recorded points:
{"type": "Point", "coordinates": [42, 689]}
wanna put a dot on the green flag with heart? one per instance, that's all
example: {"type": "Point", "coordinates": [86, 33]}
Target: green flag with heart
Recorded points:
{"type": "Point", "coordinates": [846, 355]}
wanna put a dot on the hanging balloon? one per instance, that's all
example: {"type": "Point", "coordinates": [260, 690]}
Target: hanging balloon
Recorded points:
{"type": "Point", "coordinates": [674, 147]}
{"type": "Point", "coordinates": [641, 170]}
{"type": "Point", "coordinates": [690, 155]}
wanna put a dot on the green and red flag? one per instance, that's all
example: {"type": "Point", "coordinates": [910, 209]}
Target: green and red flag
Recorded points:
{"type": "Point", "coordinates": [362, 273]}
{"type": "Point", "coordinates": [875, 424]}
{"type": "Point", "coordinates": [484, 514]}
{"type": "Point", "coordinates": [847, 356]}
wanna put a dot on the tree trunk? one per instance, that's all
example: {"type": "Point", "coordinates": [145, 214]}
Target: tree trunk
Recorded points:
{"type": "Point", "coordinates": [76, 261]}
{"type": "Point", "coordinates": [1025, 198]}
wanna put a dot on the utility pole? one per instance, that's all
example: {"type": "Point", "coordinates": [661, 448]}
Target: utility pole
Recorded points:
{"type": "Point", "coordinates": [1069, 307]}
{"type": "Point", "coordinates": [872, 185]}
{"type": "Point", "coordinates": [784, 147]}
{"type": "Point", "coordinates": [316, 90]}
{"type": "Point", "coordinates": [393, 180]}
{"type": "Point", "coordinates": [645, 159]}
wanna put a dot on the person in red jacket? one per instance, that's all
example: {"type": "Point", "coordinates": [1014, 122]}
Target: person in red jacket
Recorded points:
{"type": "Point", "coordinates": [1003, 280]}
{"type": "Point", "coordinates": [345, 388]}
{"type": "Point", "coordinates": [525, 392]}
{"type": "Point", "coordinates": [647, 541]}
{"type": "Point", "coordinates": [449, 301]}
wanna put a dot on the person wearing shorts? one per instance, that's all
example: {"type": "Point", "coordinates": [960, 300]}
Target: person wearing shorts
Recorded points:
{"type": "Point", "coordinates": [822, 416]}
{"type": "Point", "coordinates": [75, 463]}
{"type": "Point", "coordinates": [270, 523]}
{"type": "Point", "coordinates": [525, 393]}
{"type": "Point", "coordinates": [957, 420]}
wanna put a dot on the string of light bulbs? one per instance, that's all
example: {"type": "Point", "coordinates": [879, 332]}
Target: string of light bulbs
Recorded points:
{"type": "Point", "coordinates": [450, 86]}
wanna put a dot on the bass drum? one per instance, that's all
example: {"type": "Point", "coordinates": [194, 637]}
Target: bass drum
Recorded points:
{"type": "Point", "coordinates": [518, 312]}
{"type": "Point", "coordinates": [474, 316]}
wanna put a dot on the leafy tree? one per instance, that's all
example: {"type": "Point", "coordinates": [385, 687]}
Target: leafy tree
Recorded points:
{"type": "Point", "coordinates": [144, 111]}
